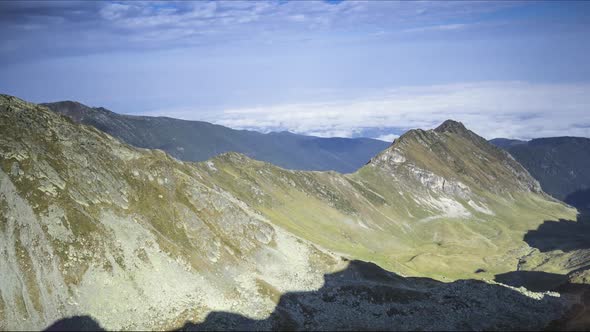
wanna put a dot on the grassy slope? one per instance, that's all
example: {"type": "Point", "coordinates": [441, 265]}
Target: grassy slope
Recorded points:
{"type": "Point", "coordinates": [373, 216]}
{"type": "Point", "coordinates": [126, 213]}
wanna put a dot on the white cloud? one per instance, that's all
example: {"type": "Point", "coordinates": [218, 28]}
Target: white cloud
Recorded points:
{"type": "Point", "coordinates": [443, 27]}
{"type": "Point", "coordinates": [492, 109]}
{"type": "Point", "coordinates": [387, 138]}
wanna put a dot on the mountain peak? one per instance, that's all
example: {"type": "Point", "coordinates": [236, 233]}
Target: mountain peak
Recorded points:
{"type": "Point", "coordinates": [451, 126]}
{"type": "Point", "coordinates": [454, 153]}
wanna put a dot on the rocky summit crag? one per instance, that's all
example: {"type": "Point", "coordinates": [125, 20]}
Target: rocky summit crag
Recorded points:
{"type": "Point", "coordinates": [98, 232]}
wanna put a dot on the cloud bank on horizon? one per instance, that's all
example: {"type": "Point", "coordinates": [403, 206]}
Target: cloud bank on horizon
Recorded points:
{"type": "Point", "coordinates": [492, 109]}
{"type": "Point", "coordinates": [329, 68]}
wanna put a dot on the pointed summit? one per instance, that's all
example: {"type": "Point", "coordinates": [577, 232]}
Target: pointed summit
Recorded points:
{"type": "Point", "coordinates": [451, 126]}
{"type": "Point", "coordinates": [454, 153]}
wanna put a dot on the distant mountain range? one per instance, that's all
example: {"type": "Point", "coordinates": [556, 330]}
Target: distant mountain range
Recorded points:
{"type": "Point", "coordinates": [506, 142]}
{"type": "Point", "coordinates": [560, 164]}
{"type": "Point", "coordinates": [199, 141]}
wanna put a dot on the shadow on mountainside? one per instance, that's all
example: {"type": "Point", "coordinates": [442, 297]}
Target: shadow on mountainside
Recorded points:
{"type": "Point", "coordinates": [562, 236]}
{"type": "Point", "coordinates": [580, 200]}
{"type": "Point", "coordinates": [365, 297]}
{"type": "Point", "coordinates": [75, 323]}
{"type": "Point", "coordinates": [577, 316]}
{"type": "Point", "coordinates": [565, 235]}
{"type": "Point", "coordinates": [535, 281]}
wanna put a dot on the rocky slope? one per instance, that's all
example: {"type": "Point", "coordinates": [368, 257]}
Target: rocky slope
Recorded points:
{"type": "Point", "coordinates": [139, 240]}
{"type": "Point", "coordinates": [199, 141]}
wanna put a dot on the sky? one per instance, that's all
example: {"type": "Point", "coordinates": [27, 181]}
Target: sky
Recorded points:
{"type": "Point", "coordinates": [326, 68]}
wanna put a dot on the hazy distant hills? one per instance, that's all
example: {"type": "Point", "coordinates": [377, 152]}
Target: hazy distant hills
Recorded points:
{"type": "Point", "coordinates": [506, 142]}
{"type": "Point", "coordinates": [560, 164]}
{"type": "Point", "coordinates": [199, 141]}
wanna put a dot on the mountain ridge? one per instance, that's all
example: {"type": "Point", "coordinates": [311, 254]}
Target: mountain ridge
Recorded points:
{"type": "Point", "coordinates": [180, 137]}
{"type": "Point", "coordinates": [450, 163]}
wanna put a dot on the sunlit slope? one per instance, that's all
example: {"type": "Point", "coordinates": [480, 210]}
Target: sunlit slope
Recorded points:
{"type": "Point", "coordinates": [135, 238]}
{"type": "Point", "coordinates": [442, 203]}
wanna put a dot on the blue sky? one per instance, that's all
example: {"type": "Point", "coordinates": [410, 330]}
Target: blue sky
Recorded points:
{"type": "Point", "coordinates": [511, 69]}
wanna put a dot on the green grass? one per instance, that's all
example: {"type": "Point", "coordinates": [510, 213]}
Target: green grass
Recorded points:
{"type": "Point", "coordinates": [325, 207]}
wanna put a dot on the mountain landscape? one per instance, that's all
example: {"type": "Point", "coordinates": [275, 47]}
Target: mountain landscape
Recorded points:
{"type": "Point", "coordinates": [560, 164]}
{"type": "Point", "coordinates": [440, 230]}
{"type": "Point", "coordinates": [199, 141]}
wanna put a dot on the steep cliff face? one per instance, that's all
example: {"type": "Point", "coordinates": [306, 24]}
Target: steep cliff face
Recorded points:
{"type": "Point", "coordinates": [140, 240]}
